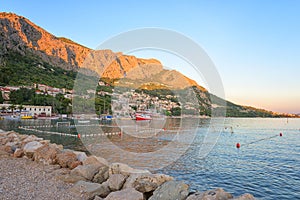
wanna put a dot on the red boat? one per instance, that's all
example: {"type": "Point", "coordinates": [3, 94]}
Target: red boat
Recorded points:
{"type": "Point", "coordinates": [139, 117]}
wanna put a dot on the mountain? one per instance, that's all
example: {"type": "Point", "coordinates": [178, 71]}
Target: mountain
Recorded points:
{"type": "Point", "coordinates": [19, 35]}
{"type": "Point", "coordinates": [29, 54]}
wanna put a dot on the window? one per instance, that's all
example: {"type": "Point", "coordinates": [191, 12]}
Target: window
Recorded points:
{"type": "Point", "coordinates": [39, 109]}
{"type": "Point", "coordinates": [34, 109]}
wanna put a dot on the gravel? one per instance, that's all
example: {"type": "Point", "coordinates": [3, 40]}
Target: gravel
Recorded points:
{"type": "Point", "coordinates": [21, 178]}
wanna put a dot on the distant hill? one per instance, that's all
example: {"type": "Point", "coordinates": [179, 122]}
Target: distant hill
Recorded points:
{"type": "Point", "coordinates": [29, 54]}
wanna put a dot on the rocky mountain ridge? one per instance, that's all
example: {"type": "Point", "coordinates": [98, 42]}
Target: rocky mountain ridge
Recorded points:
{"type": "Point", "coordinates": [18, 34]}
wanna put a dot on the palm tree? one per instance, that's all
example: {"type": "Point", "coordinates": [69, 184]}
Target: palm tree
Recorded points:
{"type": "Point", "coordinates": [20, 107]}
{"type": "Point", "coordinates": [3, 108]}
{"type": "Point", "coordinates": [12, 108]}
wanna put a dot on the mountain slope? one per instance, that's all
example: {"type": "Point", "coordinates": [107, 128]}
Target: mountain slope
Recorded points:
{"type": "Point", "coordinates": [18, 34]}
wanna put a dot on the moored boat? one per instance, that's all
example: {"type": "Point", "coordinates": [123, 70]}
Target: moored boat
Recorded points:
{"type": "Point", "coordinates": [140, 117]}
{"type": "Point", "coordinates": [26, 117]}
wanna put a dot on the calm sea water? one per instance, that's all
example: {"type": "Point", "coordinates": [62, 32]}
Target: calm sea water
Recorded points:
{"type": "Point", "coordinates": [266, 165]}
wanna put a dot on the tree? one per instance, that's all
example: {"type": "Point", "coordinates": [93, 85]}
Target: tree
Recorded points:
{"type": "Point", "coordinates": [20, 107]}
{"type": "Point", "coordinates": [12, 108]}
{"type": "Point", "coordinates": [3, 108]}
{"type": "Point", "coordinates": [1, 98]}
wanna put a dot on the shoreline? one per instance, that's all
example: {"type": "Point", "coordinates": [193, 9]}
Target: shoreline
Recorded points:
{"type": "Point", "coordinates": [30, 163]}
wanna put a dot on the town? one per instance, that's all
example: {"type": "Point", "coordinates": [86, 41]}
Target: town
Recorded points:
{"type": "Point", "coordinates": [106, 99]}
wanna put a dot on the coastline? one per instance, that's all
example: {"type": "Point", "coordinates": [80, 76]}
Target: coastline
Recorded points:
{"type": "Point", "coordinates": [34, 168]}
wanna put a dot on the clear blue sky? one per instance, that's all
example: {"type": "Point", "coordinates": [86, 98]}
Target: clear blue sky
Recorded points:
{"type": "Point", "coordinates": [255, 44]}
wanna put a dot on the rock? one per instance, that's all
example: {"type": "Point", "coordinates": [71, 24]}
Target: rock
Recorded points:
{"type": "Point", "coordinates": [120, 168]}
{"type": "Point", "coordinates": [46, 154]}
{"type": "Point", "coordinates": [245, 197]}
{"type": "Point", "coordinates": [146, 182]}
{"type": "Point", "coordinates": [66, 159]}
{"type": "Point", "coordinates": [102, 175]}
{"type": "Point", "coordinates": [75, 164]}
{"type": "Point", "coordinates": [89, 190]}
{"type": "Point", "coordinates": [94, 160]}
{"type": "Point", "coordinates": [116, 181]}
{"type": "Point", "coordinates": [217, 194]}
{"type": "Point", "coordinates": [18, 153]}
{"type": "Point", "coordinates": [81, 156]}
{"type": "Point", "coordinates": [12, 134]}
{"type": "Point", "coordinates": [4, 140]}
{"type": "Point", "coordinates": [31, 147]}
{"type": "Point", "coordinates": [68, 178]}
{"type": "Point", "coordinates": [45, 142]}
{"type": "Point", "coordinates": [13, 146]}
{"type": "Point", "coordinates": [29, 138]}
{"type": "Point", "coordinates": [6, 149]}
{"type": "Point", "coordinates": [98, 198]}
{"type": "Point", "coordinates": [171, 190]}
{"type": "Point", "coordinates": [86, 171]}
{"type": "Point", "coordinates": [126, 194]}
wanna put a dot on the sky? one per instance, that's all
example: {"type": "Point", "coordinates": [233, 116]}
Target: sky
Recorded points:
{"type": "Point", "coordinates": [254, 44]}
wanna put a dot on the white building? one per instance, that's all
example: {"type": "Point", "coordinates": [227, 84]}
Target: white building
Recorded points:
{"type": "Point", "coordinates": [30, 109]}
{"type": "Point", "coordinates": [38, 110]}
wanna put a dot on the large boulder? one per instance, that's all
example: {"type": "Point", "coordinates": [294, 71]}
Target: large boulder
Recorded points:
{"type": "Point", "coordinates": [216, 194]}
{"type": "Point", "coordinates": [67, 159]}
{"type": "Point", "coordinates": [47, 154]}
{"type": "Point", "coordinates": [146, 182]}
{"type": "Point", "coordinates": [81, 156]}
{"type": "Point", "coordinates": [94, 160]}
{"type": "Point", "coordinates": [171, 190]}
{"type": "Point", "coordinates": [245, 197]}
{"type": "Point", "coordinates": [88, 190]}
{"type": "Point", "coordinates": [116, 181]}
{"type": "Point", "coordinates": [102, 175]}
{"type": "Point", "coordinates": [31, 147]}
{"type": "Point", "coordinates": [86, 171]}
{"type": "Point", "coordinates": [30, 138]}
{"type": "Point", "coordinates": [126, 194]}
{"type": "Point", "coordinates": [120, 168]}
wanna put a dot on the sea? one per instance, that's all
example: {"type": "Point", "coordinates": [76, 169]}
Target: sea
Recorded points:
{"type": "Point", "coordinates": [203, 154]}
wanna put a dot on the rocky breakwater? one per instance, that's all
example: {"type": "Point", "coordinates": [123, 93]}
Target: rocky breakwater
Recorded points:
{"type": "Point", "coordinates": [94, 178]}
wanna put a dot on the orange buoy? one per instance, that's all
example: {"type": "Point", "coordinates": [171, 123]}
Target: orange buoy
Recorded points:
{"type": "Point", "coordinates": [280, 134]}
{"type": "Point", "coordinates": [78, 136]}
{"type": "Point", "coordinates": [238, 145]}
{"type": "Point", "coordinates": [120, 133]}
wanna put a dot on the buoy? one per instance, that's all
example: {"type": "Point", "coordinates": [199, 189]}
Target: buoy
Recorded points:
{"type": "Point", "coordinates": [238, 145]}
{"type": "Point", "coordinates": [120, 134]}
{"type": "Point", "coordinates": [78, 136]}
{"type": "Point", "coordinates": [280, 134]}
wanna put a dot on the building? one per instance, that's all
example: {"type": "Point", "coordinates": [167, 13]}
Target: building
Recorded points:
{"type": "Point", "coordinates": [38, 110]}
{"type": "Point", "coordinates": [30, 110]}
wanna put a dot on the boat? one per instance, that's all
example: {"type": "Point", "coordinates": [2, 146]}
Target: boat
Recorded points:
{"type": "Point", "coordinates": [140, 117]}
{"type": "Point", "coordinates": [83, 121]}
{"type": "Point", "coordinates": [26, 117]}
{"type": "Point", "coordinates": [106, 118]}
